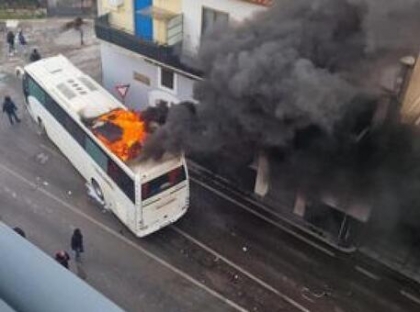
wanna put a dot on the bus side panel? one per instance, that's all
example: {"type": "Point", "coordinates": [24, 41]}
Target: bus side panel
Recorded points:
{"type": "Point", "coordinates": [85, 165]}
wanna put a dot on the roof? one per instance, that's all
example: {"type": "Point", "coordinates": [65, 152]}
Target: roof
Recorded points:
{"type": "Point", "coordinates": [79, 92]}
{"type": "Point", "coordinates": [84, 97]}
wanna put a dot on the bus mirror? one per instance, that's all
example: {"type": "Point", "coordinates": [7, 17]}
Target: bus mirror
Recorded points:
{"type": "Point", "coordinates": [19, 72]}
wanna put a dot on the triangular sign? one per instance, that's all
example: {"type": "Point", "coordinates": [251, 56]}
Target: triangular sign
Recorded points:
{"type": "Point", "coordinates": [122, 89]}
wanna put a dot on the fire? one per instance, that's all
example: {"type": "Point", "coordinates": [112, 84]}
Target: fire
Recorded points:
{"type": "Point", "coordinates": [122, 131]}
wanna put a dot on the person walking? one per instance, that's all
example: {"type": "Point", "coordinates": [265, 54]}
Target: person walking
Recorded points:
{"type": "Point", "coordinates": [10, 109]}
{"type": "Point", "coordinates": [22, 41]}
{"type": "Point", "coordinates": [35, 56]}
{"type": "Point", "coordinates": [10, 38]}
{"type": "Point", "coordinates": [77, 244]}
{"type": "Point", "coordinates": [63, 258]}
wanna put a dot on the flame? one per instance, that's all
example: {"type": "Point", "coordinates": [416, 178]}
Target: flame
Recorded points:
{"type": "Point", "coordinates": [122, 131]}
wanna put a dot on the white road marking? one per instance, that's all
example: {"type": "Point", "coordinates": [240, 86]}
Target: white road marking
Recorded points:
{"type": "Point", "coordinates": [367, 273]}
{"type": "Point", "coordinates": [410, 296]}
{"type": "Point", "coordinates": [129, 242]}
{"type": "Point", "coordinates": [240, 269]}
{"type": "Point", "coordinates": [285, 229]}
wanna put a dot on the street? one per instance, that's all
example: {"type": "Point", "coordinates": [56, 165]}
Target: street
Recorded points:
{"type": "Point", "coordinates": [219, 257]}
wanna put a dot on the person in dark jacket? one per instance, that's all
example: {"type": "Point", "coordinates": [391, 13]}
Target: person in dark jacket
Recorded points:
{"type": "Point", "coordinates": [77, 243]}
{"type": "Point", "coordinates": [10, 109]}
{"type": "Point", "coordinates": [35, 56]}
{"type": "Point", "coordinates": [63, 258]}
{"type": "Point", "coordinates": [22, 41]}
{"type": "Point", "coordinates": [10, 38]}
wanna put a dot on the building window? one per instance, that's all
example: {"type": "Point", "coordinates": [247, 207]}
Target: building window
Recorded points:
{"type": "Point", "coordinates": [96, 153]}
{"type": "Point", "coordinates": [211, 17]}
{"type": "Point", "coordinates": [167, 79]}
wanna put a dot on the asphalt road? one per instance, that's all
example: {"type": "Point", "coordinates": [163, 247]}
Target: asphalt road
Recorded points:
{"type": "Point", "coordinates": [220, 257]}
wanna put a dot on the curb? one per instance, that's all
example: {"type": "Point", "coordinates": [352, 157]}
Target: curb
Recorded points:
{"type": "Point", "coordinates": [199, 170]}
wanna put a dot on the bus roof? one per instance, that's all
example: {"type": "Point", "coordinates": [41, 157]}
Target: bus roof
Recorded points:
{"type": "Point", "coordinates": [85, 99]}
{"type": "Point", "coordinates": [79, 92]}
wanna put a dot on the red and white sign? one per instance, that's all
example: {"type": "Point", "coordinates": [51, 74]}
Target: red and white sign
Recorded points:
{"type": "Point", "coordinates": [122, 89]}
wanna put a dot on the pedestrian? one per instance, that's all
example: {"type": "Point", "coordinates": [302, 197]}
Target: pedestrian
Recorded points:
{"type": "Point", "coordinates": [10, 109]}
{"type": "Point", "coordinates": [19, 231]}
{"type": "Point", "coordinates": [77, 243]}
{"type": "Point", "coordinates": [63, 258]}
{"type": "Point", "coordinates": [35, 56]}
{"type": "Point", "coordinates": [22, 41]}
{"type": "Point", "coordinates": [10, 38]}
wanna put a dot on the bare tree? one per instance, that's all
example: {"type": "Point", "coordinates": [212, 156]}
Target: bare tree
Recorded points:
{"type": "Point", "coordinates": [76, 24]}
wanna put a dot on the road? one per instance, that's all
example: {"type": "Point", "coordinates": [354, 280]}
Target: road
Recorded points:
{"type": "Point", "coordinates": [224, 255]}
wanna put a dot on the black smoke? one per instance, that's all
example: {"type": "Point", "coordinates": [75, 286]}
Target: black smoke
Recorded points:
{"type": "Point", "coordinates": [302, 82]}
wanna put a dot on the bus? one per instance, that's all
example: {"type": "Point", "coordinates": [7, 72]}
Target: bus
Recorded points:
{"type": "Point", "coordinates": [73, 111]}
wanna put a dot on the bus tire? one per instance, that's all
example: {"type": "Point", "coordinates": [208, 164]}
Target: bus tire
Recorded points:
{"type": "Point", "coordinates": [98, 191]}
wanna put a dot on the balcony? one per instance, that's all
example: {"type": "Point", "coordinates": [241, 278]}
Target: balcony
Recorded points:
{"type": "Point", "coordinates": [154, 51]}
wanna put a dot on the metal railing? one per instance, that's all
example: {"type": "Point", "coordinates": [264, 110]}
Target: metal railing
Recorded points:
{"type": "Point", "coordinates": [155, 51]}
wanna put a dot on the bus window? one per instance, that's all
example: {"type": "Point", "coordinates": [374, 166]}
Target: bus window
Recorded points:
{"type": "Point", "coordinates": [25, 87]}
{"type": "Point", "coordinates": [122, 179]}
{"type": "Point", "coordinates": [163, 182]}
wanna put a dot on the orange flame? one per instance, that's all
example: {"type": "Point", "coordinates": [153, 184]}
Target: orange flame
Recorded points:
{"type": "Point", "coordinates": [122, 131]}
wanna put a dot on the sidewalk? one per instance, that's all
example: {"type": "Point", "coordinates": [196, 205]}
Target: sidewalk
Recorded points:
{"type": "Point", "coordinates": [390, 253]}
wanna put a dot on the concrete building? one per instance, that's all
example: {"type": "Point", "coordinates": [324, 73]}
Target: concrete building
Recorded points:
{"type": "Point", "coordinates": [144, 41]}
{"type": "Point", "coordinates": [144, 45]}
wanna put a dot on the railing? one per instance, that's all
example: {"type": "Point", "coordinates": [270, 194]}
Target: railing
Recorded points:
{"type": "Point", "coordinates": [161, 53]}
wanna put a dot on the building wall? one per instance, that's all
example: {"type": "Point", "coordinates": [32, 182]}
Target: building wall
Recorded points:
{"type": "Point", "coordinates": [121, 17]}
{"type": "Point", "coordinates": [124, 67]}
{"type": "Point", "coordinates": [159, 27]}
{"type": "Point", "coordinates": [192, 10]}
{"type": "Point", "coordinates": [410, 110]}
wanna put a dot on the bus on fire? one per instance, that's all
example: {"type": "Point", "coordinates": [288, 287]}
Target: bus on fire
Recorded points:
{"type": "Point", "coordinates": [103, 139]}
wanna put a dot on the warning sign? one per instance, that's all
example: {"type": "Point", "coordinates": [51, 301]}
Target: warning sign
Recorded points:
{"type": "Point", "coordinates": [122, 90]}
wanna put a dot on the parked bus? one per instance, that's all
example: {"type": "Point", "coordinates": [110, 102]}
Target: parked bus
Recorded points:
{"type": "Point", "coordinates": [73, 111]}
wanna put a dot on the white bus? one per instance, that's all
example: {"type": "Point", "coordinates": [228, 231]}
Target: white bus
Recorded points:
{"type": "Point", "coordinates": [144, 195]}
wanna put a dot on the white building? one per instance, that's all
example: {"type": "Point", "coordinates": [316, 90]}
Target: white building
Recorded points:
{"type": "Point", "coordinates": [143, 41]}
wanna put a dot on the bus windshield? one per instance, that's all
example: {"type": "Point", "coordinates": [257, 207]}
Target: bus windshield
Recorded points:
{"type": "Point", "coordinates": [163, 182]}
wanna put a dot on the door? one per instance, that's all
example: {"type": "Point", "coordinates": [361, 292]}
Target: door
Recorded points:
{"type": "Point", "coordinates": [143, 22]}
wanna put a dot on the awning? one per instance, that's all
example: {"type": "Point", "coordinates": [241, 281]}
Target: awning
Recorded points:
{"type": "Point", "coordinates": [157, 13]}
{"type": "Point", "coordinates": [261, 2]}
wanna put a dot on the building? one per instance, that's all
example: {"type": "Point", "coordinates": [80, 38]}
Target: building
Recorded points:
{"type": "Point", "coordinates": [31, 280]}
{"type": "Point", "coordinates": [144, 44]}
{"type": "Point", "coordinates": [145, 47]}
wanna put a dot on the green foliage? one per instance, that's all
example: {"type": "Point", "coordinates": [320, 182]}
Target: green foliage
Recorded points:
{"type": "Point", "coordinates": [19, 4]}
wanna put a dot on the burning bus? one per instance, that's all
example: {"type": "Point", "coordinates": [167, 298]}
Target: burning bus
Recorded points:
{"type": "Point", "coordinates": [103, 140]}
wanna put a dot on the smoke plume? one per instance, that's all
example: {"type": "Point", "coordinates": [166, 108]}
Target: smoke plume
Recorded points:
{"type": "Point", "coordinates": [302, 81]}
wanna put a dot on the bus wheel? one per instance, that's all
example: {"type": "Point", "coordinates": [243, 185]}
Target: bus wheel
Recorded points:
{"type": "Point", "coordinates": [98, 191]}
{"type": "Point", "coordinates": [41, 127]}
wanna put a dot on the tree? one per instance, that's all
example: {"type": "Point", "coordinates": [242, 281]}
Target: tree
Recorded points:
{"type": "Point", "coordinates": [76, 24]}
